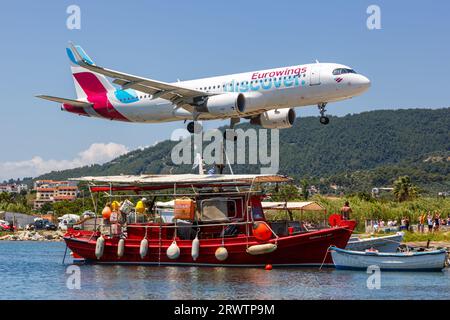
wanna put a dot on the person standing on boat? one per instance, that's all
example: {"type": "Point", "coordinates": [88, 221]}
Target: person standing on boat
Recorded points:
{"type": "Point", "coordinates": [345, 211]}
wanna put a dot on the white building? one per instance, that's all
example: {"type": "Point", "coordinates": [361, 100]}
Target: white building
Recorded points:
{"type": "Point", "coordinates": [13, 188]}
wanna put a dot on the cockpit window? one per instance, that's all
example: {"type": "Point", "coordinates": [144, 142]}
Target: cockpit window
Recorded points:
{"type": "Point", "coordinates": [339, 71]}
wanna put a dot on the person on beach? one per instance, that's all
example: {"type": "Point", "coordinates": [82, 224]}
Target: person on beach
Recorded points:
{"type": "Point", "coordinates": [430, 222]}
{"type": "Point", "coordinates": [402, 223]}
{"type": "Point", "coordinates": [407, 223]}
{"type": "Point", "coordinates": [375, 226]}
{"type": "Point", "coordinates": [422, 223]}
{"type": "Point", "coordinates": [437, 217]}
{"type": "Point", "coordinates": [345, 211]}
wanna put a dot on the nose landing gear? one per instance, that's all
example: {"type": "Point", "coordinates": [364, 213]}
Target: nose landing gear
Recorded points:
{"type": "Point", "coordinates": [323, 119]}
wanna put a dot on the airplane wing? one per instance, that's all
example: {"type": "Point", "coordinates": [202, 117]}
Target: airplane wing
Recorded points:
{"type": "Point", "coordinates": [75, 103]}
{"type": "Point", "coordinates": [180, 96]}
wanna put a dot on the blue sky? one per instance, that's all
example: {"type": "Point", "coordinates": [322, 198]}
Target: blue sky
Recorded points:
{"type": "Point", "coordinates": [407, 60]}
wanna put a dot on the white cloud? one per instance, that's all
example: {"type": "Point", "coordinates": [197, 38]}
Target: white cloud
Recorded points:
{"type": "Point", "coordinates": [96, 153]}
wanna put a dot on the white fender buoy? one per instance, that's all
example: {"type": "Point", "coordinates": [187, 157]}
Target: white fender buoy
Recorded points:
{"type": "Point", "coordinates": [121, 248]}
{"type": "Point", "coordinates": [195, 251]}
{"type": "Point", "coordinates": [143, 248]}
{"type": "Point", "coordinates": [261, 249]}
{"type": "Point", "coordinates": [173, 251]}
{"type": "Point", "coordinates": [221, 253]}
{"type": "Point", "coordinates": [99, 247]}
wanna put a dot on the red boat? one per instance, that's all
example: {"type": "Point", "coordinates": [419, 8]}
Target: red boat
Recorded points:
{"type": "Point", "coordinates": [214, 220]}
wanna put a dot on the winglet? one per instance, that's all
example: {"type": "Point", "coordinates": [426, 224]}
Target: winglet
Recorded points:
{"type": "Point", "coordinates": [78, 56]}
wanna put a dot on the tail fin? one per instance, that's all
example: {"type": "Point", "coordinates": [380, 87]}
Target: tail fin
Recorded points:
{"type": "Point", "coordinates": [87, 83]}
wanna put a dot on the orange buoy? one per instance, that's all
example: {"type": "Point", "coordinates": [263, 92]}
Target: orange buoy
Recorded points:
{"type": "Point", "coordinates": [268, 267]}
{"type": "Point", "coordinates": [106, 213]}
{"type": "Point", "coordinates": [261, 231]}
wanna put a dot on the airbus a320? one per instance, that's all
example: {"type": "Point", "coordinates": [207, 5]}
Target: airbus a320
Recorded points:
{"type": "Point", "coordinates": [267, 97]}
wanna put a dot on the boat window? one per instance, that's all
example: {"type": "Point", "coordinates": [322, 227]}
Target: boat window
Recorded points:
{"type": "Point", "coordinates": [257, 213]}
{"type": "Point", "coordinates": [339, 71]}
{"type": "Point", "coordinates": [218, 209]}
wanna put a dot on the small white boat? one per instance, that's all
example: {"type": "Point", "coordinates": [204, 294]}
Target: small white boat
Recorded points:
{"type": "Point", "coordinates": [382, 244]}
{"type": "Point", "coordinates": [409, 261]}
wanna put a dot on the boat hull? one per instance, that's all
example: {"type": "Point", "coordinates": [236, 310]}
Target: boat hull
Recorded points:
{"type": "Point", "coordinates": [382, 244]}
{"type": "Point", "coordinates": [306, 249]}
{"type": "Point", "coordinates": [420, 261]}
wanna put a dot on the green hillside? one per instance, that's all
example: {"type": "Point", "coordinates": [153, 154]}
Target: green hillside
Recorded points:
{"type": "Point", "coordinates": [355, 151]}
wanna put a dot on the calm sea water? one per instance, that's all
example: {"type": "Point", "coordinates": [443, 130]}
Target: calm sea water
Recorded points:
{"type": "Point", "coordinates": [33, 270]}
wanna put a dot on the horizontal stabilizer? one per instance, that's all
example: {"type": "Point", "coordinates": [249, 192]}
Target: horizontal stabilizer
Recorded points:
{"type": "Point", "coordinates": [75, 103]}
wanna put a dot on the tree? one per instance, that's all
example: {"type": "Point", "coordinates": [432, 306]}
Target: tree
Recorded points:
{"type": "Point", "coordinates": [305, 186]}
{"type": "Point", "coordinates": [404, 189]}
{"type": "Point", "coordinates": [46, 207]}
{"type": "Point", "coordinates": [285, 192]}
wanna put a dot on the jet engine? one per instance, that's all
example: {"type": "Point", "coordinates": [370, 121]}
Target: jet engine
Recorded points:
{"type": "Point", "coordinates": [275, 119]}
{"type": "Point", "coordinates": [224, 104]}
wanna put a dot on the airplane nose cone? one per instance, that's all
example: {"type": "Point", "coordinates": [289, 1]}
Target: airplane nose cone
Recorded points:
{"type": "Point", "coordinates": [363, 82]}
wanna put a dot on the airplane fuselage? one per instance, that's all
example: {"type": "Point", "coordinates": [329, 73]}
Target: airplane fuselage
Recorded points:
{"type": "Point", "coordinates": [278, 88]}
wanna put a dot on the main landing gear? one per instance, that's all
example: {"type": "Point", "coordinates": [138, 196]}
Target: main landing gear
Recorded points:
{"type": "Point", "coordinates": [323, 119]}
{"type": "Point", "coordinates": [194, 127]}
{"type": "Point", "coordinates": [229, 134]}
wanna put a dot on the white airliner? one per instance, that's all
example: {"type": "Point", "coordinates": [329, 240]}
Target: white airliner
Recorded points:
{"type": "Point", "coordinates": [266, 97]}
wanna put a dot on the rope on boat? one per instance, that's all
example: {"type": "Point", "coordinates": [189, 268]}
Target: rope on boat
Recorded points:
{"type": "Point", "coordinates": [160, 244]}
{"type": "Point", "coordinates": [223, 236]}
{"type": "Point", "coordinates": [64, 258]}
{"type": "Point", "coordinates": [324, 258]}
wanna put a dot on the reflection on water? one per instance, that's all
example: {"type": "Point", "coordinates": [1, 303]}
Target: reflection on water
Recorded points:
{"type": "Point", "coordinates": [33, 270]}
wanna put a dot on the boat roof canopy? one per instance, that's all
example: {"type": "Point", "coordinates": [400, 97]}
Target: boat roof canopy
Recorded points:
{"type": "Point", "coordinates": [306, 206]}
{"type": "Point", "coordinates": [161, 181]}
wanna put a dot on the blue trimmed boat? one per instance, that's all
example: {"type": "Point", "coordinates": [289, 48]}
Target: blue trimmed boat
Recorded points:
{"type": "Point", "coordinates": [407, 261]}
{"type": "Point", "coordinates": [388, 243]}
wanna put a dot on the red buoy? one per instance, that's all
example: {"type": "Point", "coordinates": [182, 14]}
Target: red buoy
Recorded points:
{"type": "Point", "coordinates": [261, 231]}
{"type": "Point", "coordinates": [334, 220]}
{"type": "Point", "coordinates": [268, 267]}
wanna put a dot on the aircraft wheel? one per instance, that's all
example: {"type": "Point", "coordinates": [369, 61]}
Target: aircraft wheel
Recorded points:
{"type": "Point", "coordinates": [190, 127]}
{"type": "Point", "coordinates": [324, 120]}
{"type": "Point", "coordinates": [231, 136]}
{"type": "Point", "coordinates": [194, 127]}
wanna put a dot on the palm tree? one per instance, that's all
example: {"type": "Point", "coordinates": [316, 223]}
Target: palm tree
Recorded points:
{"type": "Point", "coordinates": [404, 189]}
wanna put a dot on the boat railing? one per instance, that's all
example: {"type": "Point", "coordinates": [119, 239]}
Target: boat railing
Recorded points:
{"type": "Point", "coordinates": [181, 225]}
{"type": "Point", "coordinates": [175, 225]}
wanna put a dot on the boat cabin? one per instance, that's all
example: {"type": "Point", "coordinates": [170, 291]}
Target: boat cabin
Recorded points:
{"type": "Point", "coordinates": [210, 206]}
